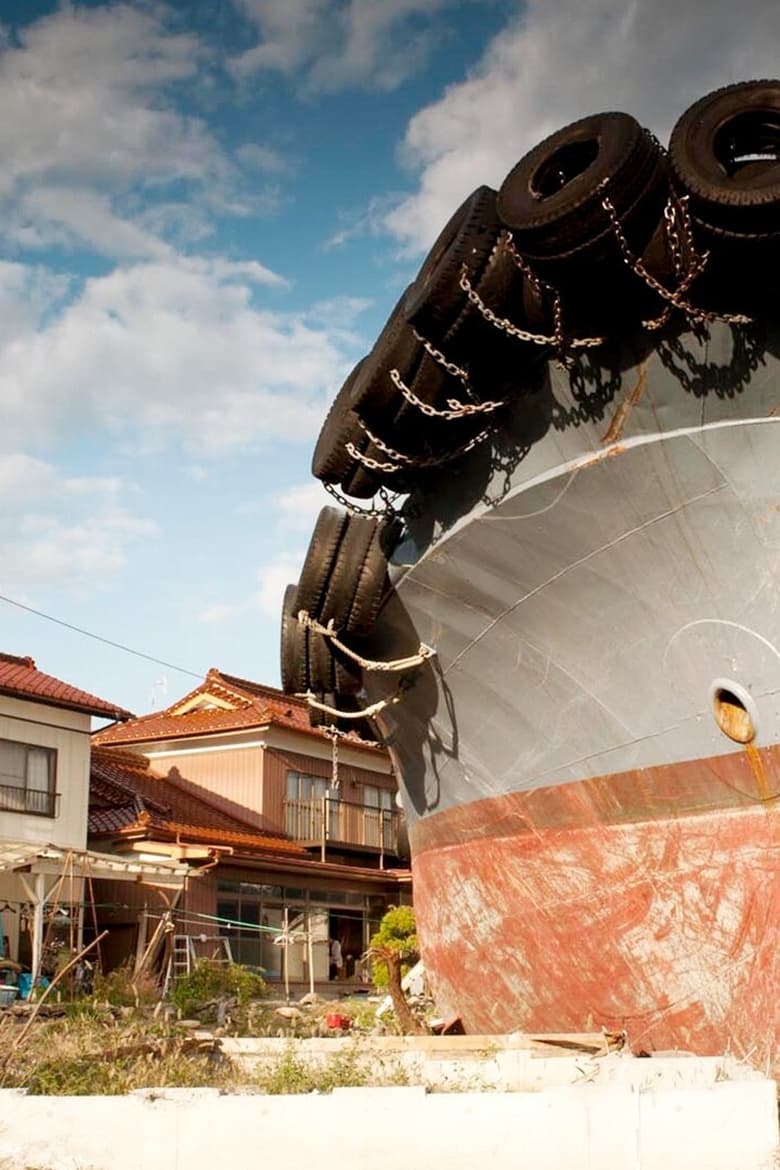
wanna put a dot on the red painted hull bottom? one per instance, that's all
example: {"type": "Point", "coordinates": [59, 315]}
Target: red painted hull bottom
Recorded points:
{"type": "Point", "coordinates": [648, 902]}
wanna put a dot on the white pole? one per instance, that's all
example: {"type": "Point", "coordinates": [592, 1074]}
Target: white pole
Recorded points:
{"type": "Point", "coordinates": [310, 946]}
{"type": "Point", "coordinates": [285, 950]}
{"type": "Point", "coordinates": [37, 934]}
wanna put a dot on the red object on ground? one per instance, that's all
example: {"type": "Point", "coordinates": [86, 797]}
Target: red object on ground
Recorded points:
{"type": "Point", "coordinates": [338, 1020]}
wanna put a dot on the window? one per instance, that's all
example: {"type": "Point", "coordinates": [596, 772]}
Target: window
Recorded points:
{"type": "Point", "coordinates": [27, 778]}
{"type": "Point", "coordinates": [303, 787]}
{"type": "Point", "coordinates": [379, 818]}
{"type": "Point", "coordinates": [305, 805]}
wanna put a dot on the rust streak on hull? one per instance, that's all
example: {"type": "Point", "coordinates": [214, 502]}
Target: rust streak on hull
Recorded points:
{"type": "Point", "coordinates": [598, 904]}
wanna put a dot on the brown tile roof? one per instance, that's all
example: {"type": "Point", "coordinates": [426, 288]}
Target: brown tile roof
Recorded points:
{"type": "Point", "coordinates": [126, 796]}
{"type": "Point", "coordinates": [251, 705]}
{"type": "Point", "coordinates": [21, 678]}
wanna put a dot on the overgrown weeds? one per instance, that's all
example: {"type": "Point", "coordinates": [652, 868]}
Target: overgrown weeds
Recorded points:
{"type": "Point", "coordinates": [91, 1054]}
{"type": "Point", "coordinates": [350, 1069]}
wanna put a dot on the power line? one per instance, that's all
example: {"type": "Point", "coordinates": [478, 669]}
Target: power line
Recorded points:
{"type": "Point", "coordinates": [97, 637]}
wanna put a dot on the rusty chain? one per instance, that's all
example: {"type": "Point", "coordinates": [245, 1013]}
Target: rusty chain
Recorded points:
{"type": "Point", "coordinates": [543, 289]}
{"type": "Point", "coordinates": [421, 463]}
{"type": "Point", "coordinates": [441, 359]}
{"type": "Point", "coordinates": [675, 297]}
{"type": "Point", "coordinates": [368, 461]}
{"type": "Point", "coordinates": [513, 330]}
{"type": "Point", "coordinates": [456, 409]}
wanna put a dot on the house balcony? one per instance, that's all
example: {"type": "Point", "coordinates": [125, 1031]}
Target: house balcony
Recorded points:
{"type": "Point", "coordinates": [323, 823]}
{"type": "Point", "coordinates": [28, 800]}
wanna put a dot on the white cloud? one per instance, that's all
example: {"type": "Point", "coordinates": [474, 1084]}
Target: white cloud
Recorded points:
{"type": "Point", "coordinates": [77, 99]}
{"type": "Point", "coordinates": [273, 579]}
{"type": "Point", "coordinates": [555, 63]}
{"type": "Point", "coordinates": [27, 295]}
{"type": "Point", "coordinates": [72, 531]}
{"type": "Point", "coordinates": [220, 611]}
{"type": "Point", "coordinates": [167, 353]}
{"type": "Point", "coordinates": [299, 506]}
{"type": "Point", "coordinates": [91, 125]}
{"type": "Point", "coordinates": [262, 158]}
{"type": "Point", "coordinates": [69, 215]}
{"type": "Point", "coordinates": [372, 43]}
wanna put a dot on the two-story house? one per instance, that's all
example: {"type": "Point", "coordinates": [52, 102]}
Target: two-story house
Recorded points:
{"type": "Point", "coordinates": [305, 832]}
{"type": "Point", "coordinates": [44, 791]}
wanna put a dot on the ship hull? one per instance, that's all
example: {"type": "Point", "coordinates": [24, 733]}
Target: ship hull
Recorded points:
{"type": "Point", "coordinates": [590, 847]}
{"type": "Point", "coordinates": [597, 905]}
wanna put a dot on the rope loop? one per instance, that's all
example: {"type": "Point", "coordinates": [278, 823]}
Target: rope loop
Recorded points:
{"type": "Point", "coordinates": [329, 631]}
{"type": "Point", "coordinates": [365, 713]}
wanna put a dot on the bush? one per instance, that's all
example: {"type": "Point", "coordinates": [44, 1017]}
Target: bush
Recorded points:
{"type": "Point", "coordinates": [397, 935]}
{"type": "Point", "coordinates": [122, 989]}
{"type": "Point", "coordinates": [210, 980]}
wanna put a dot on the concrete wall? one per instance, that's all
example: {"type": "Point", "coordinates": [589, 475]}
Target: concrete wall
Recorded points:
{"type": "Point", "coordinates": [726, 1125]}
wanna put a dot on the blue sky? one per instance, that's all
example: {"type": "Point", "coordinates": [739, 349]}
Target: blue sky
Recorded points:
{"type": "Point", "coordinates": [209, 208]}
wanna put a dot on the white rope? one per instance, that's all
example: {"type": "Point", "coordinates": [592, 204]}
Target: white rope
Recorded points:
{"type": "Point", "coordinates": [366, 713]}
{"type": "Point", "coordinates": [422, 655]}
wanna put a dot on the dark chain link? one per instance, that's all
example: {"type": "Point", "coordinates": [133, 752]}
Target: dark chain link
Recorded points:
{"type": "Point", "coordinates": [354, 509]}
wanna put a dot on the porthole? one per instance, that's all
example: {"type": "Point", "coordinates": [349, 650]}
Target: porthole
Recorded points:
{"type": "Point", "coordinates": [734, 710]}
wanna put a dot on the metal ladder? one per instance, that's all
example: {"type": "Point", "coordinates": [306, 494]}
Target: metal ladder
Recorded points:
{"type": "Point", "coordinates": [183, 955]}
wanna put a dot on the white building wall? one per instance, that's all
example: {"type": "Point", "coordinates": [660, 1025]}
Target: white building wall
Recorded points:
{"type": "Point", "coordinates": [68, 733]}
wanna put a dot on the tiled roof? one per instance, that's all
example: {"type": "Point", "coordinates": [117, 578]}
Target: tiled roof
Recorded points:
{"type": "Point", "coordinates": [21, 678]}
{"type": "Point", "coordinates": [126, 795]}
{"type": "Point", "coordinates": [252, 705]}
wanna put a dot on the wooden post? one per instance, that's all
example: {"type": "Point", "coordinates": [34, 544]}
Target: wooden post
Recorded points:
{"type": "Point", "coordinates": [323, 834]}
{"type": "Point", "coordinates": [140, 943]}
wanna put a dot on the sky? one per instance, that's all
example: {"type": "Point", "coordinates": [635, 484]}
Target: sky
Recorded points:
{"type": "Point", "coordinates": [209, 208]}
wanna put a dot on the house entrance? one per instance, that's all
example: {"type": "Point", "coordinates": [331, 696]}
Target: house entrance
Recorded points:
{"type": "Point", "coordinates": [347, 927]}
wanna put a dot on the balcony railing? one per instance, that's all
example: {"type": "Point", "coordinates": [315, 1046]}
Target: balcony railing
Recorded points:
{"type": "Point", "coordinates": [323, 820]}
{"type": "Point", "coordinates": [28, 800]}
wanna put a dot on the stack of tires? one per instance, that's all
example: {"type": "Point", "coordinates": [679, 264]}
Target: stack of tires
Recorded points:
{"type": "Point", "coordinates": [596, 231]}
{"type": "Point", "coordinates": [341, 587]}
{"type": "Point", "coordinates": [725, 157]}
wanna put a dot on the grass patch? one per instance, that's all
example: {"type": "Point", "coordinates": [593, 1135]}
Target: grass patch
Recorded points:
{"type": "Point", "coordinates": [87, 1054]}
{"type": "Point", "coordinates": [350, 1069]}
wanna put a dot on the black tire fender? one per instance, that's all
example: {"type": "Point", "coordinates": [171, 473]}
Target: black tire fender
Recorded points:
{"type": "Point", "coordinates": [331, 461]}
{"type": "Point", "coordinates": [320, 556]}
{"type": "Point", "coordinates": [725, 155]}
{"type": "Point", "coordinates": [395, 348]}
{"type": "Point", "coordinates": [294, 646]}
{"type": "Point", "coordinates": [370, 586]}
{"type": "Point", "coordinates": [340, 592]}
{"type": "Point", "coordinates": [321, 667]}
{"type": "Point", "coordinates": [552, 199]}
{"type": "Point", "coordinates": [468, 238]}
